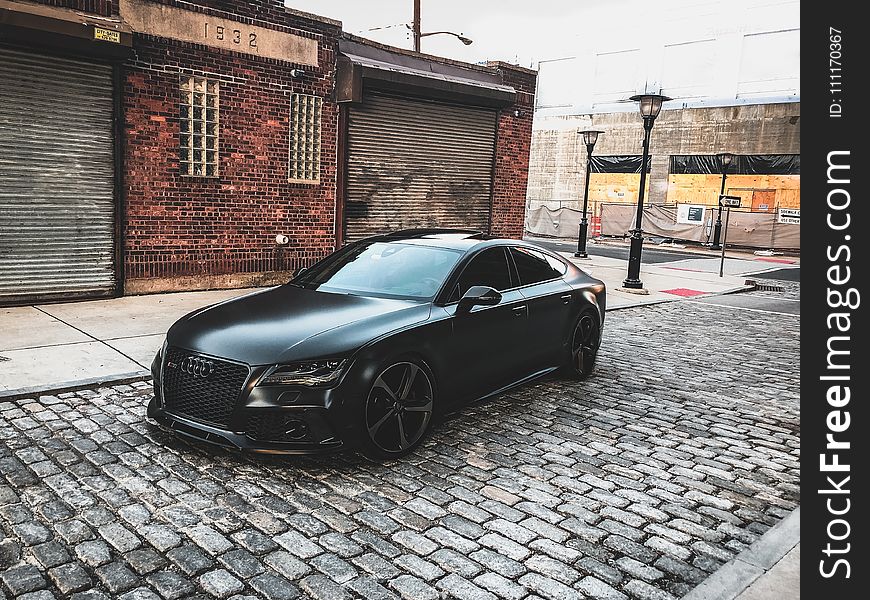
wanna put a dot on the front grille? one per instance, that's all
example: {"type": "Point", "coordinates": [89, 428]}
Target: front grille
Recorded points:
{"type": "Point", "coordinates": [209, 399]}
{"type": "Point", "coordinates": [270, 427]}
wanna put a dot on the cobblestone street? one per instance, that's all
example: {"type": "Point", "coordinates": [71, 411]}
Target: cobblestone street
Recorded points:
{"type": "Point", "coordinates": [638, 483]}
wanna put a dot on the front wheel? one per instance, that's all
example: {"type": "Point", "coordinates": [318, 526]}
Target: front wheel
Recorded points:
{"type": "Point", "coordinates": [397, 411]}
{"type": "Point", "coordinates": [585, 341]}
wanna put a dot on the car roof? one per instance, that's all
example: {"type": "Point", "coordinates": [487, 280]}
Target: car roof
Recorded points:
{"type": "Point", "coordinates": [456, 239]}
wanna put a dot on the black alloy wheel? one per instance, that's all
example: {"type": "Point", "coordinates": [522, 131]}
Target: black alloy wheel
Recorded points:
{"type": "Point", "coordinates": [398, 411]}
{"type": "Point", "coordinates": [584, 345]}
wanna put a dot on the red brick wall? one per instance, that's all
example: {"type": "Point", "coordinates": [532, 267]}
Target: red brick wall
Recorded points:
{"type": "Point", "coordinates": [97, 7]}
{"type": "Point", "coordinates": [512, 154]}
{"type": "Point", "coordinates": [179, 229]}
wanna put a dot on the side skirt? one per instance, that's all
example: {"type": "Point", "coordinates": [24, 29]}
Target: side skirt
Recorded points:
{"type": "Point", "coordinates": [510, 386]}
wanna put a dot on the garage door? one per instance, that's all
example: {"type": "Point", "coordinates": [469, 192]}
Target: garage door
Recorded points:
{"type": "Point", "coordinates": [417, 163]}
{"type": "Point", "coordinates": [56, 178]}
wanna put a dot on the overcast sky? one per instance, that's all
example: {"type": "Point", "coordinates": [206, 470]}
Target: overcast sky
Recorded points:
{"type": "Point", "coordinates": [524, 31]}
{"type": "Point", "coordinates": [513, 30]}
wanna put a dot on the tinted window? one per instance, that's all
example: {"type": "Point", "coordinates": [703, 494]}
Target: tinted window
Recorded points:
{"type": "Point", "coordinates": [534, 266]}
{"type": "Point", "coordinates": [489, 268]}
{"type": "Point", "coordinates": [392, 270]}
{"type": "Point", "coordinates": [557, 264]}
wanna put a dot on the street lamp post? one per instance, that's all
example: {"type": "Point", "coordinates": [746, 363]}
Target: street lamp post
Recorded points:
{"type": "Point", "coordinates": [725, 159]}
{"type": "Point", "coordinates": [590, 136]}
{"type": "Point", "coordinates": [650, 106]}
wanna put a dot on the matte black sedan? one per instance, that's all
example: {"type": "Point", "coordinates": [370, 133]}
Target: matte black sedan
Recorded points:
{"type": "Point", "coordinates": [369, 345]}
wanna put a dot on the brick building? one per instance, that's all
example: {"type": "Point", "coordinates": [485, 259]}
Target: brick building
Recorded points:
{"type": "Point", "coordinates": [164, 145]}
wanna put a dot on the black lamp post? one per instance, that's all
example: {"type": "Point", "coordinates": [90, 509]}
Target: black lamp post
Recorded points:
{"type": "Point", "coordinates": [650, 106]}
{"type": "Point", "coordinates": [725, 159]}
{"type": "Point", "coordinates": [590, 136]}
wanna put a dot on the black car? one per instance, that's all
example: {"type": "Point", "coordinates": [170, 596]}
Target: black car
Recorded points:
{"type": "Point", "coordinates": [370, 344]}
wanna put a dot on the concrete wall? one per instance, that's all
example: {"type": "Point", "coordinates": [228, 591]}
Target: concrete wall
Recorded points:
{"type": "Point", "coordinates": [557, 166]}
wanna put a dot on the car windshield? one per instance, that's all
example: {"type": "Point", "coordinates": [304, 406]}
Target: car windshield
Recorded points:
{"type": "Point", "coordinates": [388, 270]}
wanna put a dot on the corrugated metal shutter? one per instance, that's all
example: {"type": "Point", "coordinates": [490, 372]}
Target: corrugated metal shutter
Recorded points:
{"type": "Point", "coordinates": [56, 178]}
{"type": "Point", "coordinates": [416, 163]}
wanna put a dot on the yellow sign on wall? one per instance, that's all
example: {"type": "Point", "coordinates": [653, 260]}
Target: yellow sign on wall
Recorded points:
{"type": "Point", "coordinates": [107, 35]}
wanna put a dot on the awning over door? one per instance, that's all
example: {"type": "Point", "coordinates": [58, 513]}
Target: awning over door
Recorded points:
{"type": "Point", "coordinates": [418, 163]}
{"type": "Point", "coordinates": [56, 178]}
{"type": "Point", "coordinates": [362, 65]}
{"type": "Point", "coordinates": [66, 29]}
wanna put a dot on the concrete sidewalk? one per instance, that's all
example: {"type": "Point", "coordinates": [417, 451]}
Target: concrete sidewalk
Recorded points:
{"type": "Point", "coordinates": [768, 570]}
{"type": "Point", "coordinates": [56, 346]}
{"type": "Point", "coordinates": [59, 346]}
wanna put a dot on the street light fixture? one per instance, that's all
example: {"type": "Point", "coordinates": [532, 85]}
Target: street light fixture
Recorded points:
{"type": "Point", "coordinates": [417, 32]}
{"type": "Point", "coordinates": [725, 159]}
{"type": "Point", "coordinates": [650, 106]}
{"type": "Point", "coordinates": [459, 37]}
{"type": "Point", "coordinates": [590, 136]}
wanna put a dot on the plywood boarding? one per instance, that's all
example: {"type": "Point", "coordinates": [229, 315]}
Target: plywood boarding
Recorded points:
{"type": "Point", "coordinates": [704, 189]}
{"type": "Point", "coordinates": [615, 187]}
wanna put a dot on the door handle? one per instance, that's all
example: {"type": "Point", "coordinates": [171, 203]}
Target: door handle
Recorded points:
{"type": "Point", "coordinates": [519, 310]}
{"type": "Point", "coordinates": [566, 299]}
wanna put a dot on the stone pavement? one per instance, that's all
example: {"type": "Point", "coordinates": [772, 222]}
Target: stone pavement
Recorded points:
{"type": "Point", "coordinates": [53, 346]}
{"type": "Point", "coordinates": [638, 483]}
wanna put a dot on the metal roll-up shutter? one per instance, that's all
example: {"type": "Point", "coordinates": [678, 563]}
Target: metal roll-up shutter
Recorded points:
{"type": "Point", "coordinates": [416, 163]}
{"type": "Point", "coordinates": [56, 178]}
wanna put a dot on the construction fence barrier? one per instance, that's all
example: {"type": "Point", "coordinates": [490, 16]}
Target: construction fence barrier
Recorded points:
{"type": "Point", "coordinates": [746, 229]}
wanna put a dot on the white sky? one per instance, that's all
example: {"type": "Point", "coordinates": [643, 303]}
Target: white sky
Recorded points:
{"type": "Point", "coordinates": [524, 31]}
{"type": "Point", "coordinates": [513, 30]}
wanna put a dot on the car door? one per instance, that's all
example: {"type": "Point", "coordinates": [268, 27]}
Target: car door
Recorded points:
{"type": "Point", "coordinates": [486, 343]}
{"type": "Point", "coordinates": [549, 301]}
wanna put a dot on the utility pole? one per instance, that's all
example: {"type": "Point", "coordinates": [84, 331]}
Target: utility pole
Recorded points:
{"type": "Point", "coordinates": [416, 26]}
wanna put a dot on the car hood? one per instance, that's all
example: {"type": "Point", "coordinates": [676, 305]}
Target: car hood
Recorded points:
{"type": "Point", "coordinates": [288, 323]}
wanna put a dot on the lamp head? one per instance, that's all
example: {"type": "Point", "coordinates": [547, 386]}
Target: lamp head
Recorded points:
{"type": "Point", "coordinates": [725, 159]}
{"type": "Point", "coordinates": [590, 136]}
{"type": "Point", "coordinates": [650, 104]}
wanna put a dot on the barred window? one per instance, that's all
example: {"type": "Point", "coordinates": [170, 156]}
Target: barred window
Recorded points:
{"type": "Point", "coordinates": [305, 138]}
{"type": "Point", "coordinates": [198, 140]}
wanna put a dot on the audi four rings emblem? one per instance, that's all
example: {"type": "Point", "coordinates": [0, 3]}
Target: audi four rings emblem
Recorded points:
{"type": "Point", "coordinates": [198, 367]}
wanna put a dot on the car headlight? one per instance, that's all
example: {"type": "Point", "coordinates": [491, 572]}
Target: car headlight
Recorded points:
{"type": "Point", "coordinates": [313, 372]}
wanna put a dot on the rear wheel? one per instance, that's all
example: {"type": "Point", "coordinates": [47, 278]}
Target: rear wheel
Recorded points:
{"type": "Point", "coordinates": [584, 345]}
{"type": "Point", "coordinates": [397, 411]}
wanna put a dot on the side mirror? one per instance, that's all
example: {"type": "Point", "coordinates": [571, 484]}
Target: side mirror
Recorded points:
{"type": "Point", "coordinates": [479, 295]}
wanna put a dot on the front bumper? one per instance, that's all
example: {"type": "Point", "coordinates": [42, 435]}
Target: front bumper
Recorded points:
{"type": "Point", "coordinates": [203, 432]}
{"type": "Point", "coordinates": [264, 419]}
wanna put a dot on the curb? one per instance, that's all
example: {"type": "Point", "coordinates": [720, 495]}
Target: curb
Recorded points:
{"type": "Point", "coordinates": [734, 290]}
{"type": "Point", "coordinates": [689, 249]}
{"type": "Point", "coordinates": [72, 386]}
{"type": "Point", "coordinates": [741, 571]}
